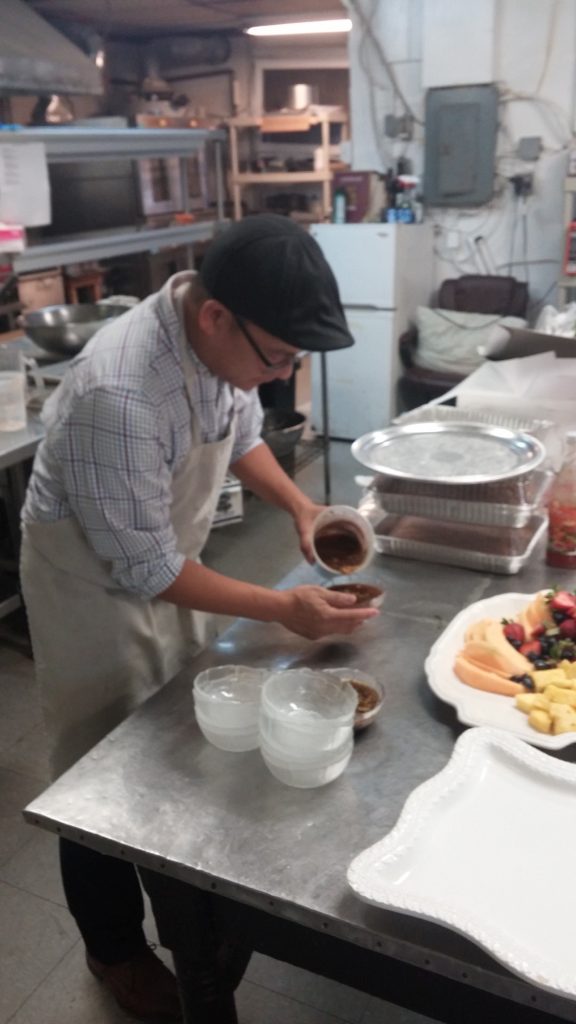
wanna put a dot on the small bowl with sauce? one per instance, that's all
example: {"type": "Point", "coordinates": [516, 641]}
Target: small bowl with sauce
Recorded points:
{"type": "Point", "coordinates": [367, 594]}
{"type": "Point", "coordinates": [343, 540]}
{"type": "Point", "coordinates": [370, 694]}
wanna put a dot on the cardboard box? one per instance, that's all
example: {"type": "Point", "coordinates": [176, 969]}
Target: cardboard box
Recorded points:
{"type": "Point", "coordinates": [524, 342]}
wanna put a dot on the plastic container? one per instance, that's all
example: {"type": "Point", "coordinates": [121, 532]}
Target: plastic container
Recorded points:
{"type": "Point", "coordinates": [302, 734]}
{"type": "Point", "coordinates": [367, 595]}
{"type": "Point", "coordinates": [307, 774]}
{"type": "Point", "coordinates": [369, 691]}
{"type": "Point", "coordinates": [561, 549]}
{"type": "Point", "coordinates": [306, 714]}
{"type": "Point", "coordinates": [227, 705]}
{"type": "Point", "coordinates": [237, 740]}
{"type": "Point", "coordinates": [342, 540]}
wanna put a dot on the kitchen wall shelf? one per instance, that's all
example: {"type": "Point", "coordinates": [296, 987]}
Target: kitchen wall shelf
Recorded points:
{"type": "Point", "coordinates": [283, 124]}
{"type": "Point", "coordinates": [100, 245]}
{"type": "Point", "coordinates": [89, 144]}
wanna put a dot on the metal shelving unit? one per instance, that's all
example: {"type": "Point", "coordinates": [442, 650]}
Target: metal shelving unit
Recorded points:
{"type": "Point", "coordinates": [88, 144]}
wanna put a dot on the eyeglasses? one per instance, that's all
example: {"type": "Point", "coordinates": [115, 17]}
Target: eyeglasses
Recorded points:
{"type": "Point", "coordinates": [280, 365]}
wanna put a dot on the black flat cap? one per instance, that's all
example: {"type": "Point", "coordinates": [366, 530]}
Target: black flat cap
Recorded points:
{"type": "Point", "coordinates": [270, 271]}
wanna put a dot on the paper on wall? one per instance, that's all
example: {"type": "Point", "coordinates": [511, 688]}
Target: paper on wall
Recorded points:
{"type": "Point", "coordinates": [24, 184]}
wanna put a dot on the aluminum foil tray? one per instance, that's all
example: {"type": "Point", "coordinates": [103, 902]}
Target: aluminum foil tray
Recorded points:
{"type": "Point", "coordinates": [469, 547]}
{"type": "Point", "coordinates": [508, 504]}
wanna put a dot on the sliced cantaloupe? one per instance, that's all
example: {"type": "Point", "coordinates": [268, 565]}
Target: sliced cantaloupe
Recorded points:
{"type": "Point", "coordinates": [490, 657]}
{"type": "Point", "coordinates": [482, 679]}
{"type": "Point", "coordinates": [494, 635]}
{"type": "Point", "coordinates": [539, 611]}
{"type": "Point", "coordinates": [475, 631]}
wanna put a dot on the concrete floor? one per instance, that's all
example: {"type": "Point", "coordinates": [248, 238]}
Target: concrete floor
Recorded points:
{"type": "Point", "coordinates": [43, 979]}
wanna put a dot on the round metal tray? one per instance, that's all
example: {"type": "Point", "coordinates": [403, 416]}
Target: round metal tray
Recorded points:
{"type": "Point", "coordinates": [449, 453]}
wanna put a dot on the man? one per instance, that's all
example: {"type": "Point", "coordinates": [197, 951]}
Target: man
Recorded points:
{"type": "Point", "coordinates": [140, 435]}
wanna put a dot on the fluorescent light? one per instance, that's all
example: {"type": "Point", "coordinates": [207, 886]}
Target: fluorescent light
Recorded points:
{"type": "Point", "coordinates": [301, 28]}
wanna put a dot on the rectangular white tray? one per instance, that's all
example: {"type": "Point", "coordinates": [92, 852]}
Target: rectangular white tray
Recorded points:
{"type": "Point", "coordinates": [485, 848]}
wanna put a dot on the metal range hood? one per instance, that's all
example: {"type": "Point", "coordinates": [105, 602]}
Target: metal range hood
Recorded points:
{"type": "Point", "coordinates": [36, 59]}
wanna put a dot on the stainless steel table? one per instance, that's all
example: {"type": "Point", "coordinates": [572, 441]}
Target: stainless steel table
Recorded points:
{"type": "Point", "coordinates": [225, 848]}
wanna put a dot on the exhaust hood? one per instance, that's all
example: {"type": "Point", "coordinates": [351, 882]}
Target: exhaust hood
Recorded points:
{"type": "Point", "coordinates": [35, 58]}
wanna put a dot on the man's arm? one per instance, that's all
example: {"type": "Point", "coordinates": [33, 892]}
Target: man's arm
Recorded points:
{"type": "Point", "coordinates": [262, 474]}
{"type": "Point", "coordinates": [309, 611]}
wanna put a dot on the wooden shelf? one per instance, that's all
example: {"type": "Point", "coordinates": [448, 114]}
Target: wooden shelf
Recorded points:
{"type": "Point", "coordinates": [282, 123]}
{"type": "Point", "coordinates": [281, 177]}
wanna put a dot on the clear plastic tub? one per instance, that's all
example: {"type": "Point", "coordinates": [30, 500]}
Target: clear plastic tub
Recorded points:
{"type": "Point", "coordinates": [236, 740]}
{"type": "Point", "coordinates": [302, 736]}
{"type": "Point", "coordinates": [308, 774]}
{"type": "Point", "coordinates": [228, 696]}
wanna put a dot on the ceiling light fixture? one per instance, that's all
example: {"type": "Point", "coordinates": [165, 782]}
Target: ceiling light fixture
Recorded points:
{"type": "Point", "coordinates": [301, 28]}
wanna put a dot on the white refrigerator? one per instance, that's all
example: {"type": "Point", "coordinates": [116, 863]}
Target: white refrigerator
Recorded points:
{"type": "Point", "coordinates": [384, 271]}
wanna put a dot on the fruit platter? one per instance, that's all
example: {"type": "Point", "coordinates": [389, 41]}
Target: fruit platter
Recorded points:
{"type": "Point", "coordinates": [510, 661]}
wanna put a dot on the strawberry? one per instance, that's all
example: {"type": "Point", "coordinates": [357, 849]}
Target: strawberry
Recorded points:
{"type": "Point", "coordinates": [513, 632]}
{"type": "Point", "coordinates": [567, 629]}
{"type": "Point", "coordinates": [562, 601]}
{"type": "Point", "coordinates": [538, 632]}
{"type": "Point", "coordinates": [531, 649]}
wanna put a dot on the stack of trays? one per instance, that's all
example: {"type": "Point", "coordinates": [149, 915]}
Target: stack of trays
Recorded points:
{"type": "Point", "coordinates": [457, 492]}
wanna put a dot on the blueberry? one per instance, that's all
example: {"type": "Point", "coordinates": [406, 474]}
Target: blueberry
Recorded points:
{"type": "Point", "coordinates": [558, 616]}
{"type": "Point", "coordinates": [543, 663]}
{"type": "Point", "coordinates": [532, 656]}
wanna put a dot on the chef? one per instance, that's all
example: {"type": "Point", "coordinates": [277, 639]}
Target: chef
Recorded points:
{"type": "Point", "coordinates": [140, 435]}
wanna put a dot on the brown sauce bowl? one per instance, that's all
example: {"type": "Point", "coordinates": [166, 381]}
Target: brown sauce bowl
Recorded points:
{"type": "Point", "coordinates": [367, 594]}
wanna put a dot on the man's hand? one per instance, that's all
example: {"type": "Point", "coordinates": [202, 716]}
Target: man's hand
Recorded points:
{"type": "Point", "coordinates": [315, 612]}
{"type": "Point", "coordinates": [304, 517]}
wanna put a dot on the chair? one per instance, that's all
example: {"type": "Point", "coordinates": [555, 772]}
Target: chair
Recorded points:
{"type": "Point", "coordinates": [472, 293]}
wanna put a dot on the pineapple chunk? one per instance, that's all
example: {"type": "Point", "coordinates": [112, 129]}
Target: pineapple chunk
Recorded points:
{"type": "Point", "coordinates": [561, 696]}
{"type": "Point", "coordinates": [563, 722]}
{"type": "Point", "coordinates": [546, 676]}
{"type": "Point", "coordinates": [569, 669]}
{"type": "Point", "coordinates": [540, 720]}
{"type": "Point", "coordinates": [528, 702]}
{"type": "Point", "coordinates": [556, 710]}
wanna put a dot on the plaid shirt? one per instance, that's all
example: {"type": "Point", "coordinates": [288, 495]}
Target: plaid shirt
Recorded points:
{"type": "Point", "coordinates": [118, 428]}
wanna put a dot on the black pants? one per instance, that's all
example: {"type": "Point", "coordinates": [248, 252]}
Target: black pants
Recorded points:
{"type": "Point", "coordinates": [104, 896]}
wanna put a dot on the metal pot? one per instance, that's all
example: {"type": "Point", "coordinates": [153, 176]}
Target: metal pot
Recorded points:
{"type": "Point", "coordinates": [301, 96]}
{"type": "Point", "coordinates": [282, 431]}
{"type": "Point", "coordinates": [64, 330]}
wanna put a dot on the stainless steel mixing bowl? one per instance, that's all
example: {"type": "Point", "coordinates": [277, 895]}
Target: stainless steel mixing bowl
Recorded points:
{"type": "Point", "coordinates": [64, 330]}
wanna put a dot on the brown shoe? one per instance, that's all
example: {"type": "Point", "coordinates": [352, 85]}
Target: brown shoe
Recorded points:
{"type": "Point", "coordinates": [142, 986]}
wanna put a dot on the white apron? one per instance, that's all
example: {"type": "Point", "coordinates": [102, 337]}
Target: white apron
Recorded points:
{"type": "Point", "coordinates": [98, 650]}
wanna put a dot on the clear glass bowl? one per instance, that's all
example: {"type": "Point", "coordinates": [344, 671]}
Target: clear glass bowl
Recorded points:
{"type": "Point", "coordinates": [307, 775]}
{"type": "Point", "coordinates": [308, 699]}
{"type": "Point", "coordinates": [228, 696]}
{"type": "Point", "coordinates": [237, 740]}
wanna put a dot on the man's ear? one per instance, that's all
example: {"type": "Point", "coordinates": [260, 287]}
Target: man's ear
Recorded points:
{"type": "Point", "coordinates": [213, 317]}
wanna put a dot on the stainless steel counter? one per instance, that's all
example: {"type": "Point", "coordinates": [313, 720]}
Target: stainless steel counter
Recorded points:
{"type": "Point", "coordinates": [156, 793]}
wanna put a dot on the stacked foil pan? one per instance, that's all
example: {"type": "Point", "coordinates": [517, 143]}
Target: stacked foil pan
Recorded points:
{"type": "Point", "coordinates": [491, 527]}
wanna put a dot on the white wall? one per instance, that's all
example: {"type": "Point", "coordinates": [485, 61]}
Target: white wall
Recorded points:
{"type": "Point", "coordinates": [532, 53]}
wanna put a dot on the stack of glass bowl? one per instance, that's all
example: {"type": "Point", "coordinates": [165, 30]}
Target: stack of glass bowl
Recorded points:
{"type": "Point", "coordinates": [306, 726]}
{"type": "Point", "coordinates": [227, 705]}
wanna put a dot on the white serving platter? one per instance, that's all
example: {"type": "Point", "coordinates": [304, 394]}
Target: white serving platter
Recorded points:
{"type": "Point", "coordinates": [483, 848]}
{"type": "Point", "coordinates": [476, 707]}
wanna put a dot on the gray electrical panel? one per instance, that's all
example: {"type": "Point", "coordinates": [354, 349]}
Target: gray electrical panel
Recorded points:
{"type": "Point", "coordinates": [461, 128]}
